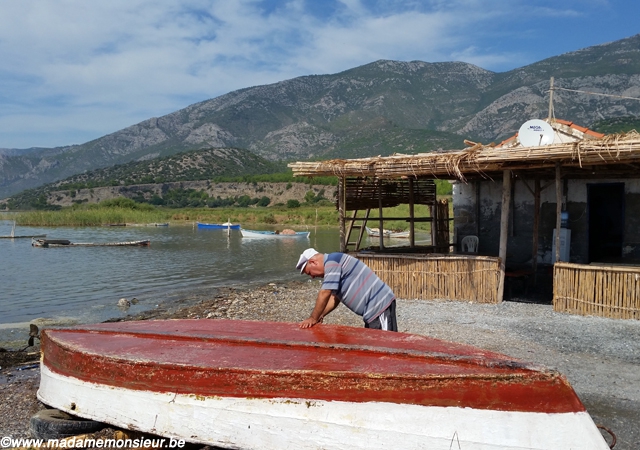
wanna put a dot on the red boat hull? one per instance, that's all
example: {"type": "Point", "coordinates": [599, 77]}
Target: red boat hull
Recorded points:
{"type": "Point", "coordinates": [262, 359]}
{"type": "Point", "coordinates": [272, 385]}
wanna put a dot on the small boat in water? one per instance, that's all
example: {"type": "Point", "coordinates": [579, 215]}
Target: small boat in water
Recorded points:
{"type": "Point", "coordinates": [273, 234]}
{"type": "Point", "coordinates": [219, 226]}
{"type": "Point", "coordinates": [268, 385]}
{"type": "Point", "coordinates": [48, 243]}
{"type": "Point", "coordinates": [152, 224]}
{"type": "Point", "coordinates": [375, 232]}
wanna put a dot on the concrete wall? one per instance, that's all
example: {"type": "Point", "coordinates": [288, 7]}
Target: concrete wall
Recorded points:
{"type": "Point", "coordinates": [482, 218]}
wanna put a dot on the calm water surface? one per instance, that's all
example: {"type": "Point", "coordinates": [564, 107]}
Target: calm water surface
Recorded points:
{"type": "Point", "coordinates": [84, 284]}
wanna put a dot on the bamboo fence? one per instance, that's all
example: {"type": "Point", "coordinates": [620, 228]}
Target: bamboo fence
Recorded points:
{"type": "Point", "coordinates": [598, 290]}
{"type": "Point", "coordinates": [438, 277]}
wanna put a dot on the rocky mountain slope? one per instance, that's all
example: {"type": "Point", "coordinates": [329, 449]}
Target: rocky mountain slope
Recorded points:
{"type": "Point", "coordinates": [143, 179]}
{"type": "Point", "coordinates": [376, 109]}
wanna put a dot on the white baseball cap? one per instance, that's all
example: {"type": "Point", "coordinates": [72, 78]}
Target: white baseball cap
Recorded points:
{"type": "Point", "coordinates": [304, 258]}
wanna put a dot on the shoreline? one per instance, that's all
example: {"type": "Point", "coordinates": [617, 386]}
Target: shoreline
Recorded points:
{"type": "Point", "coordinates": [600, 357]}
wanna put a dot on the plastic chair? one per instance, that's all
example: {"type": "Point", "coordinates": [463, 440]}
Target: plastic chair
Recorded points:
{"type": "Point", "coordinates": [470, 244]}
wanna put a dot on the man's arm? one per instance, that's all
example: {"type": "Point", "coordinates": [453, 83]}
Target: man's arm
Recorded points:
{"type": "Point", "coordinates": [325, 303]}
{"type": "Point", "coordinates": [331, 305]}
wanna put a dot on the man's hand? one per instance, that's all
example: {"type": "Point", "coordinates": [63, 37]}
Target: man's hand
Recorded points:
{"type": "Point", "coordinates": [308, 323]}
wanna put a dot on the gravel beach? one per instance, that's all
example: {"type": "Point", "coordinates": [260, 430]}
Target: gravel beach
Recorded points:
{"type": "Point", "coordinates": [600, 357]}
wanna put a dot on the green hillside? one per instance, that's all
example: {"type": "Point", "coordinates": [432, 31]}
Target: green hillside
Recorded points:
{"type": "Point", "coordinates": [194, 165]}
{"type": "Point", "coordinates": [617, 125]}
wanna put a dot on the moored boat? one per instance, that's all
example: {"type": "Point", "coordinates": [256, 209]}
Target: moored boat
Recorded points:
{"type": "Point", "coordinates": [48, 243]}
{"type": "Point", "coordinates": [152, 224]}
{"type": "Point", "coordinates": [219, 226]}
{"type": "Point", "coordinates": [244, 384]}
{"type": "Point", "coordinates": [375, 232]}
{"type": "Point", "coordinates": [258, 234]}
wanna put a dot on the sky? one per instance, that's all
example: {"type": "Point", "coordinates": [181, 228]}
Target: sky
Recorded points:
{"type": "Point", "coordinates": [76, 70]}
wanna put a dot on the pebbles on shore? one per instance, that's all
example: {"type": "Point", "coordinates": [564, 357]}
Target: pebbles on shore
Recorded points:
{"type": "Point", "coordinates": [600, 357]}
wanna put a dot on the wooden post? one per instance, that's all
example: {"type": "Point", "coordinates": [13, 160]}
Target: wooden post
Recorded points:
{"type": "Point", "coordinates": [558, 209]}
{"type": "Point", "coordinates": [477, 208]}
{"type": "Point", "coordinates": [380, 219]}
{"type": "Point", "coordinates": [434, 225]}
{"type": "Point", "coordinates": [551, 99]}
{"type": "Point", "coordinates": [412, 237]}
{"type": "Point", "coordinates": [341, 209]}
{"type": "Point", "coordinates": [504, 229]}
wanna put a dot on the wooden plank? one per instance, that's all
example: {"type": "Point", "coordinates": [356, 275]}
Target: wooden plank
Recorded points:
{"type": "Point", "coordinates": [504, 224]}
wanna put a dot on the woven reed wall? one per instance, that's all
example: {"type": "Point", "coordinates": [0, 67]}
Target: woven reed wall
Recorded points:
{"type": "Point", "coordinates": [434, 276]}
{"type": "Point", "coordinates": [363, 193]}
{"type": "Point", "coordinates": [597, 290]}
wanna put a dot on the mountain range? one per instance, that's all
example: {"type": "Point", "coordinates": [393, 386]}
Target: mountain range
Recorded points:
{"type": "Point", "coordinates": [377, 109]}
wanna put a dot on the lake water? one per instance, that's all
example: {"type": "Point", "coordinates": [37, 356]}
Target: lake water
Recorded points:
{"type": "Point", "coordinates": [84, 284]}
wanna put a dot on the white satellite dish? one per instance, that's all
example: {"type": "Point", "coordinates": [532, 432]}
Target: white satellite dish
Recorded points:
{"type": "Point", "coordinates": [535, 133]}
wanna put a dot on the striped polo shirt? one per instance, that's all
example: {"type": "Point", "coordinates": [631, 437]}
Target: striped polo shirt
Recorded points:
{"type": "Point", "coordinates": [355, 284]}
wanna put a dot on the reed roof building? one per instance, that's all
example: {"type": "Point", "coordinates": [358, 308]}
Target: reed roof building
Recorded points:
{"type": "Point", "coordinates": [570, 204]}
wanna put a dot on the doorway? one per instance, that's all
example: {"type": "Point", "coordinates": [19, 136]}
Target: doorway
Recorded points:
{"type": "Point", "coordinates": [605, 203]}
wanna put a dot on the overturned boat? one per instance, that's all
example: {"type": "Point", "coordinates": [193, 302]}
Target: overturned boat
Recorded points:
{"type": "Point", "coordinates": [246, 384]}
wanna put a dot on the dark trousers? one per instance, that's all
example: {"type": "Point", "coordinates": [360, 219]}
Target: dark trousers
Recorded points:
{"type": "Point", "coordinates": [386, 320]}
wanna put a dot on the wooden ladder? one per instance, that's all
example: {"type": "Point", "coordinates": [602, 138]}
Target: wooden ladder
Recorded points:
{"type": "Point", "coordinates": [353, 226]}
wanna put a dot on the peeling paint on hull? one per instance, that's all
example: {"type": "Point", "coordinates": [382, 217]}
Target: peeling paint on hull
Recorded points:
{"type": "Point", "coordinates": [273, 385]}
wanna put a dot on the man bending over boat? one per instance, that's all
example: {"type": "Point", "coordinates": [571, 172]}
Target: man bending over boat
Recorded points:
{"type": "Point", "coordinates": [350, 281]}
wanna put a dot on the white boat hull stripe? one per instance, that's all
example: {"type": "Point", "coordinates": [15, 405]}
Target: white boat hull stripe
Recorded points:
{"type": "Point", "coordinates": [276, 424]}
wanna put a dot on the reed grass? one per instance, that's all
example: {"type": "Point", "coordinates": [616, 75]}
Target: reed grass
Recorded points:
{"type": "Point", "coordinates": [275, 215]}
{"type": "Point", "coordinates": [88, 217]}
{"type": "Point", "coordinates": [97, 215]}
{"type": "Point", "coordinates": [305, 215]}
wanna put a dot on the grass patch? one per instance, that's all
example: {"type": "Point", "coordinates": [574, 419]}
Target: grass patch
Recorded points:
{"type": "Point", "coordinates": [96, 215]}
{"type": "Point", "coordinates": [127, 211]}
{"type": "Point", "coordinates": [88, 217]}
{"type": "Point", "coordinates": [274, 215]}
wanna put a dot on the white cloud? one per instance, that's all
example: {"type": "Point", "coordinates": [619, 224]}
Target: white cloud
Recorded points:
{"type": "Point", "coordinates": [75, 70]}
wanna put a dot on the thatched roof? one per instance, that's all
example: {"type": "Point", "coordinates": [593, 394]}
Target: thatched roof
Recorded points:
{"type": "Point", "coordinates": [612, 156]}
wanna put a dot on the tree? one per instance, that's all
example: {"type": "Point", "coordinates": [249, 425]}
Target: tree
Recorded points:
{"type": "Point", "coordinates": [264, 201]}
{"type": "Point", "coordinates": [244, 201]}
{"type": "Point", "coordinates": [309, 197]}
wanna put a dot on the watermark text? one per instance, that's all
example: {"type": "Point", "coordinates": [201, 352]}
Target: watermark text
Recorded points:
{"type": "Point", "coordinates": [86, 442]}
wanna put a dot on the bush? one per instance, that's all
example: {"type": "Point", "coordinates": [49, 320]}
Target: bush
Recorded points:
{"type": "Point", "coordinates": [293, 204]}
{"type": "Point", "coordinates": [443, 187]}
{"type": "Point", "coordinates": [124, 203]}
{"type": "Point", "coordinates": [309, 197]}
{"type": "Point", "coordinates": [264, 201]}
{"type": "Point", "coordinates": [243, 201]}
{"type": "Point", "coordinates": [119, 202]}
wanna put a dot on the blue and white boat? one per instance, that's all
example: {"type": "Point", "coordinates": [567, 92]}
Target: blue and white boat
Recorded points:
{"type": "Point", "coordinates": [219, 226]}
{"type": "Point", "coordinates": [273, 234]}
